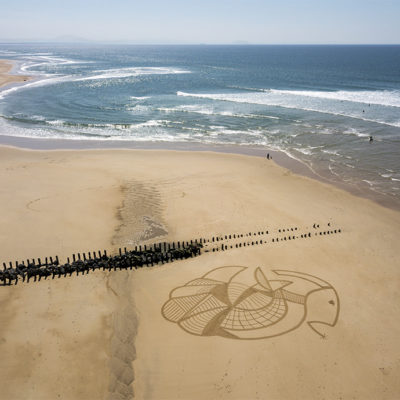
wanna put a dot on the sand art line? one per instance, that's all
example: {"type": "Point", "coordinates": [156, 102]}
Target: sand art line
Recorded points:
{"type": "Point", "coordinates": [147, 255]}
{"type": "Point", "coordinates": [237, 302]}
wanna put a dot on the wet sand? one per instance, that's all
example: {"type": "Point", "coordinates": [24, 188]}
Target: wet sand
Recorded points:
{"type": "Point", "coordinates": [279, 157]}
{"type": "Point", "coordinates": [6, 77]}
{"type": "Point", "coordinates": [104, 335]}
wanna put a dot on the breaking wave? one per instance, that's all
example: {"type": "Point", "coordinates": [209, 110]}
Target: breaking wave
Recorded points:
{"type": "Point", "coordinates": [389, 98]}
{"type": "Point", "coordinates": [131, 72]}
{"type": "Point", "coordinates": [53, 79]}
{"type": "Point", "coordinates": [292, 100]}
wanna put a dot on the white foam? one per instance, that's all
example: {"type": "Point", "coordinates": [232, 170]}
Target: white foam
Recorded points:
{"type": "Point", "coordinates": [307, 151]}
{"type": "Point", "coordinates": [138, 109]}
{"type": "Point", "coordinates": [8, 52]}
{"type": "Point", "coordinates": [151, 123]}
{"type": "Point", "coordinates": [369, 182]}
{"type": "Point", "coordinates": [286, 99]}
{"type": "Point", "coordinates": [131, 72]}
{"type": "Point", "coordinates": [39, 83]}
{"type": "Point", "coordinates": [330, 166]}
{"type": "Point", "coordinates": [59, 129]}
{"type": "Point", "coordinates": [334, 152]}
{"type": "Point", "coordinates": [204, 110]}
{"type": "Point", "coordinates": [56, 122]}
{"type": "Point", "coordinates": [355, 132]}
{"type": "Point", "coordinates": [44, 59]}
{"type": "Point", "coordinates": [390, 98]}
{"type": "Point", "coordinates": [140, 97]}
{"type": "Point", "coordinates": [38, 60]}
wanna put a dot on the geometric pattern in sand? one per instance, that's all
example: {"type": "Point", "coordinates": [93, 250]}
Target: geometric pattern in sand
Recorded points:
{"type": "Point", "coordinates": [242, 303]}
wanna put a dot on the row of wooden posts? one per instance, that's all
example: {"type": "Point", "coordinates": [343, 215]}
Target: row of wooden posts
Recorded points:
{"type": "Point", "coordinates": [224, 247]}
{"type": "Point", "coordinates": [139, 256]}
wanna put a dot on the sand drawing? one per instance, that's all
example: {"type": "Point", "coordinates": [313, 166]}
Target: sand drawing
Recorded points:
{"type": "Point", "coordinates": [242, 303]}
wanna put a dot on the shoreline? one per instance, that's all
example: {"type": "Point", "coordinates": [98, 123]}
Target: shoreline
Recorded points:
{"type": "Point", "coordinates": [294, 165]}
{"type": "Point", "coordinates": [7, 77]}
{"type": "Point", "coordinates": [281, 158]}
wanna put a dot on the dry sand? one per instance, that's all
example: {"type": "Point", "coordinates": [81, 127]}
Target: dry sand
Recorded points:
{"type": "Point", "coordinates": [6, 78]}
{"type": "Point", "coordinates": [103, 336]}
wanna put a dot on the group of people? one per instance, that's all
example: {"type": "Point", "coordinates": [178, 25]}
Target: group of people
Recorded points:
{"type": "Point", "coordinates": [124, 260]}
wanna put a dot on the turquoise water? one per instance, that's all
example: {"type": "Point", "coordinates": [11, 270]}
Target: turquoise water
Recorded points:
{"type": "Point", "coordinates": [318, 104]}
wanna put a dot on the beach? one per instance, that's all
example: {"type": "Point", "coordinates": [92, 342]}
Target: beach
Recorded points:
{"type": "Point", "coordinates": [315, 105]}
{"type": "Point", "coordinates": [112, 335]}
{"type": "Point", "coordinates": [6, 78]}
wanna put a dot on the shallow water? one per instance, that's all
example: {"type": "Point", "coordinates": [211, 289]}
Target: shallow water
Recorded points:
{"type": "Point", "coordinates": [318, 104]}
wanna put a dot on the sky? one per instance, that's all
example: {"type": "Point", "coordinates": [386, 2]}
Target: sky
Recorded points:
{"type": "Point", "coordinates": [203, 21]}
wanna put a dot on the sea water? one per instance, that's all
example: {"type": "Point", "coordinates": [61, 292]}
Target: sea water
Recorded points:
{"type": "Point", "coordinates": [318, 104]}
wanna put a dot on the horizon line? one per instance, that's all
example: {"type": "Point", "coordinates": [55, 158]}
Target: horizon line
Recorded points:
{"type": "Point", "coordinates": [87, 42]}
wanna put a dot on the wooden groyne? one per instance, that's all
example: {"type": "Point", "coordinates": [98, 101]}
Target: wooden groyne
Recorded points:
{"type": "Point", "coordinates": [153, 254]}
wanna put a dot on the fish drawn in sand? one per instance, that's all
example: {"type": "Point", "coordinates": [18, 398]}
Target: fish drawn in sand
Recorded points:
{"type": "Point", "coordinates": [242, 303]}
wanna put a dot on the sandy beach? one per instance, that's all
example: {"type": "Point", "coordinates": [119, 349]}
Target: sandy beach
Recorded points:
{"type": "Point", "coordinates": [133, 334]}
{"type": "Point", "coordinates": [6, 77]}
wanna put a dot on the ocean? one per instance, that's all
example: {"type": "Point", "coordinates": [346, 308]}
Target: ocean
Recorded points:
{"type": "Point", "coordinates": [317, 104]}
